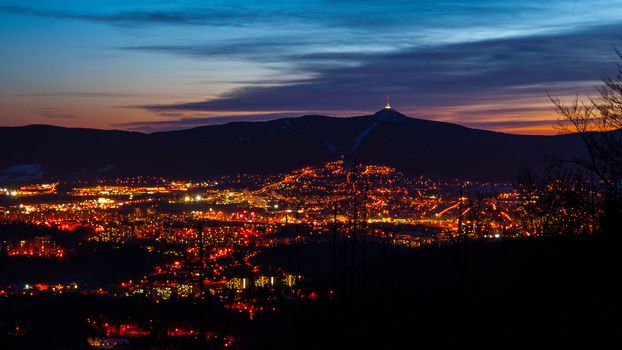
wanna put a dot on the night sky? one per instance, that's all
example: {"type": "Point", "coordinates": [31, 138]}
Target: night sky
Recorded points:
{"type": "Point", "coordinates": [139, 65]}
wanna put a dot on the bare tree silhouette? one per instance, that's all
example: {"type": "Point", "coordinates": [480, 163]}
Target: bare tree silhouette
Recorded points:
{"type": "Point", "coordinates": [597, 120]}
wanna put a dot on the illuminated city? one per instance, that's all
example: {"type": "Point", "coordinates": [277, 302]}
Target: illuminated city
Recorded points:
{"type": "Point", "coordinates": [207, 239]}
{"type": "Point", "coordinates": [191, 175]}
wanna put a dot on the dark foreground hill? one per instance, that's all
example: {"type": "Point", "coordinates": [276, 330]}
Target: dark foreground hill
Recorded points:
{"type": "Point", "coordinates": [415, 146]}
{"type": "Point", "coordinates": [517, 294]}
{"type": "Point", "coordinates": [529, 293]}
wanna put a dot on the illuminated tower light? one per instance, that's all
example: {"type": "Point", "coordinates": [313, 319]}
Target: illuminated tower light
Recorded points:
{"type": "Point", "coordinates": [388, 104]}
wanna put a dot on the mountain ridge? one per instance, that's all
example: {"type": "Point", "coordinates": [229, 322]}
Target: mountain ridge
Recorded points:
{"type": "Point", "coordinates": [416, 146]}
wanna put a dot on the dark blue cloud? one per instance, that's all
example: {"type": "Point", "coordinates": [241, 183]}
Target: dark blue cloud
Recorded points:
{"type": "Point", "coordinates": [179, 121]}
{"type": "Point", "coordinates": [462, 74]}
{"type": "Point", "coordinates": [86, 94]}
{"type": "Point", "coordinates": [56, 113]}
{"type": "Point", "coordinates": [136, 18]}
{"type": "Point", "coordinates": [357, 15]}
{"type": "Point", "coordinates": [510, 124]}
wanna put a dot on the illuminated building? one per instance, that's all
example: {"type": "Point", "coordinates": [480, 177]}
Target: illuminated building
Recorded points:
{"type": "Point", "coordinates": [238, 283]}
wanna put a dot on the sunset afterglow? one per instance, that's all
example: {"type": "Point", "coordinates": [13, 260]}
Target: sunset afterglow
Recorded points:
{"type": "Point", "coordinates": [150, 66]}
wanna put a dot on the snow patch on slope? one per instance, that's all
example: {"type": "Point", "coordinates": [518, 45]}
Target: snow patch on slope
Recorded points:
{"type": "Point", "coordinates": [329, 146]}
{"type": "Point", "coordinates": [361, 136]}
{"type": "Point", "coordinates": [22, 172]}
{"type": "Point", "coordinates": [289, 125]}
